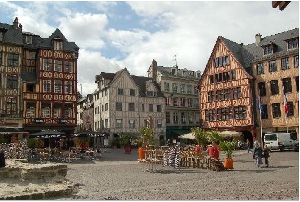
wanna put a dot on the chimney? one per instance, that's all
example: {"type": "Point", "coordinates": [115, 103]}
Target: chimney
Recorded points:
{"type": "Point", "coordinates": [257, 39]}
{"type": "Point", "coordinates": [153, 70]}
{"type": "Point", "coordinates": [15, 24]}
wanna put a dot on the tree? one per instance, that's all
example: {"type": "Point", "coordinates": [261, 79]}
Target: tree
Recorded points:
{"type": "Point", "coordinates": [200, 135]}
{"type": "Point", "coordinates": [147, 136]}
{"type": "Point", "coordinates": [214, 136]}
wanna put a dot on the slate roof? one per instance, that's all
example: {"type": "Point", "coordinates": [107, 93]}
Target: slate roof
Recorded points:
{"type": "Point", "coordinates": [247, 54]}
{"type": "Point", "coordinates": [11, 35]}
{"type": "Point", "coordinates": [140, 81]}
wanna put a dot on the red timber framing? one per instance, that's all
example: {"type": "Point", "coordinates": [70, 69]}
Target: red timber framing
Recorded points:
{"type": "Point", "coordinates": [225, 93]}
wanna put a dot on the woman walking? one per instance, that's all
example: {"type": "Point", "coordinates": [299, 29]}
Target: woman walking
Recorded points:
{"type": "Point", "coordinates": [258, 154]}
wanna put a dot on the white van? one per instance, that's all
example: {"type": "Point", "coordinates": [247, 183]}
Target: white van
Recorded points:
{"type": "Point", "coordinates": [279, 141]}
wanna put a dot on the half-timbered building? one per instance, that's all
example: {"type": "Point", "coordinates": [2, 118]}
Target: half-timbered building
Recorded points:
{"type": "Point", "coordinates": [226, 92]}
{"type": "Point", "coordinates": [11, 48]}
{"type": "Point", "coordinates": [236, 75]}
{"type": "Point", "coordinates": [127, 102]}
{"type": "Point", "coordinates": [49, 83]}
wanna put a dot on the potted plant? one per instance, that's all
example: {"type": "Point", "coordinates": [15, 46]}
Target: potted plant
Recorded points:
{"type": "Point", "coordinates": [201, 135]}
{"type": "Point", "coordinates": [228, 147]}
{"type": "Point", "coordinates": [114, 143]}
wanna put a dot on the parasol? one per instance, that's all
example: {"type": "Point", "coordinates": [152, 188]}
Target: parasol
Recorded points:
{"type": "Point", "coordinates": [190, 136]}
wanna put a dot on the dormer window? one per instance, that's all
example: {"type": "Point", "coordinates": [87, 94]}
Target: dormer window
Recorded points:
{"type": "Point", "coordinates": [28, 39]}
{"type": "Point", "coordinates": [221, 61]}
{"type": "Point", "coordinates": [292, 43]}
{"type": "Point", "coordinates": [173, 71]}
{"type": "Point", "coordinates": [268, 49]}
{"type": "Point", "coordinates": [58, 45]}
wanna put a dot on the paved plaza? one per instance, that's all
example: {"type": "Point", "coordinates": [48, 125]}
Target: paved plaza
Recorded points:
{"type": "Point", "coordinates": [120, 176]}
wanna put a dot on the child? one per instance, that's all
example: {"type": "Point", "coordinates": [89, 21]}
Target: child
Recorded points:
{"type": "Point", "coordinates": [266, 155]}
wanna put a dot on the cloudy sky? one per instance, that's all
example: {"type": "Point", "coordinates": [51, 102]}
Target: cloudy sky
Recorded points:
{"type": "Point", "coordinates": [117, 34]}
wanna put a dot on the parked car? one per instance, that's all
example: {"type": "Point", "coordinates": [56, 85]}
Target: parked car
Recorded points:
{"type": "Point", "coordinates": [296, 145]}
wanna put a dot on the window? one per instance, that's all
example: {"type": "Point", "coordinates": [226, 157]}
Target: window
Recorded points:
{"type": "Point", "coordinates": [150, 107]}
{"type": "Point", "coordinates": [174, 87]}
{"type": "Point", "coordinates": [210, 115]}
{"type": "Point", "coordinates": [120, 91]}
{"type": "Point", "coordinates": [130, 106]}
{"type": "Point", "coordinates": [175, 102]}
{"type": "Point", "coordinates": [211, 79]}
{"type": "Point", "coordinates": [191, 118]}
{"type": "Point", "coordinates": [143, 107]}
{"type": "Point", "coordinates": [291, 109]}
{"type": "Point", "coordinates": [260, 68]}
{"type": "Point", "coordinates": [286, 82]}
{"type": "Point", "coordinates": [182, 102]}
{"type": "Point", "coordinates": [151, 93]}
{"type": "Point", "coordinates": [262, 88]}
{"type": "Point", "coordinates": [227, 94]}
{"type": "Point", "coordinates": [68, 87]}
{"type": "Point", "coordinates": [47, 64]}
{"type": "Point", "coordinates": [233, 74]}
{"type": "Point", "coordinates": [58, 45]}
{"type": "Point", "coordinates": [183, 118]}
{"type": "Point", "coordinates": [276, 110]}
{"type": "Point", "coordinates": [68, 111]}
{"type": "Point", "coordinates": [189, 89]}
{"type": "Point", "coordinates": [131, 123]}
{"type": "Point", "coordinates": [296, 61]}
{"type": "Point", "coordinates": [195, 90]}
{"type": "Point", "coordinates": [46, 110]}
{"type": "Point", "coordinates": [240, 112]}
{"type": "Point", "coordinates": [273, 66]}
{"type": "Point", "coordinates": [167, 101]}
{"type": "Point", "coordinates": [158, 108]}
{"type": "Point", "coordinates": [119, 123]}
{"type": "Point", "coordinates": [28, 39]}
{"type": "Point", "coordinates": [297, 83]}
{"type": "Point", "coordinates": [168, 120]}
{"type": "Point", "coordinates": [237, 93]}
{"type": "Point", "coordinates": [226, 76]}
{"type": "Point", "coordinates": [190, 102]}
{"type": "Point", "coordinates": [274, 87]}
{"type": "Point", "coordinates": [1, 58]}
{"type": "Point", "coordinates": [159, 123]}
{"type": "Point", "coordinates": [11, 105]}
{"type": "Point", "coordinates": [47, 86]}
{"type": "Point", "coordinates": [106, 107]}
{"type": "Point", "coordinates": [182, 88]}
{"type": "Point", "coordinates": [13, 59]}
{"type": "Point", "coordinates": [30, 110]}
{"type": "Point", "coordinates": [268, 49]}
{"type": "Point", "coordinates": [210, 96]}
{"type": "Point", "coordinates": [29, 86]}
{"type": "Point", "coordinates": [221, 61]}
{"type": "Point", "coordinates": [264, 113]}
{"type": "Point", "coordinates": [175, 117]}
{"type": "Point", "coordinates": [167, 86]}
{"type": "Point", "coordinates": [57, 86]}
{"type": "Point", "coordinates": [285, 63]}
{"type": "Point", "coordinates": [132, 92]}
{"type": "Point", "coordinates": [57, 111]}
{"type": "Point", "coordinates": [293, 43]}
{"type": "Point", "coordinates": [58, 65]}
{"type": "Point", "coordinates": [68, 66]}
{"type": "Point", "coordinates": [118, 106]}
{"type": "Point", "coordinates": [12, 81]}
{"type": "Point", "coordinates": [224, 114]}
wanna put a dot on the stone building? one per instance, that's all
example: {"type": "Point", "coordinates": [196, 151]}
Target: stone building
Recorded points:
{"type": "Point", "coordinates": [123, 103]}
{"type": "Point", "coordinates": [179, 87]}
{"type": "Point", "coordinates": [234, 75]}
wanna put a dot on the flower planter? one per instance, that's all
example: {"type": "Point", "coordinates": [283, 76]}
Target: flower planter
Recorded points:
{"type": "Point", "coordinates": [228, 163]}
{"type": "Point", "coordinates": [141, 152]}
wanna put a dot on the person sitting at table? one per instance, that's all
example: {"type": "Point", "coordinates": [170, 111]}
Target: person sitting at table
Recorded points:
{"type": "Point", "coordinates": [84, 146]}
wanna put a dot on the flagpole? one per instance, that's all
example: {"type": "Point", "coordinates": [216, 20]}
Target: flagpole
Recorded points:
{"type": "Point", "coordinates": [286, 123]}
{"type": "Point", "coordinates": [261, 140]}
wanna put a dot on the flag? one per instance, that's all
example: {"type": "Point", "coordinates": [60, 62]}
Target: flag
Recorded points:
{"type": "Point", "coordinates": [286, 108]}
{"type": "Point", "coordinates": [259, 105]}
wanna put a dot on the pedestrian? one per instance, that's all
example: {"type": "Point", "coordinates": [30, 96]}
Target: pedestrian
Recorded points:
{"type": "Point", "coordinates": [258, 154]}
{"type": "Point", "coordinates": [248, 145]}
{"type": "Point", "coordinates": [266, 155]}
